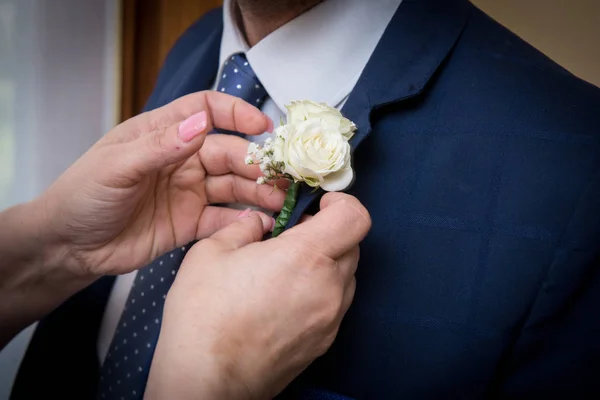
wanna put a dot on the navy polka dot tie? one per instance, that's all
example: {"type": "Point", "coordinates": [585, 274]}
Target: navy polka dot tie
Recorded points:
{"type": "Point", "coordinates": [124, 373]}
{"type": "Point", "coordinates": [238, 79]}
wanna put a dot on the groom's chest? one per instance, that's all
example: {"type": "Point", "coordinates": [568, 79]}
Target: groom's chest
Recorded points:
{"type": "Point", "coordinates": [455, 256]}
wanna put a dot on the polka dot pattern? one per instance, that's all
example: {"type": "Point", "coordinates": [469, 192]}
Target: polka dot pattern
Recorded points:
{"type": "Point", "coordinates": [125, 370]}
{"type": "Point", "coordinates": [124, 373]}
{"type": "Point", "coordinates": [238, 79]}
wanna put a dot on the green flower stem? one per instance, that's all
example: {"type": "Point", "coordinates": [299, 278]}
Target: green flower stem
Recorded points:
{"type": "Point", "coordinates": [288, 207]}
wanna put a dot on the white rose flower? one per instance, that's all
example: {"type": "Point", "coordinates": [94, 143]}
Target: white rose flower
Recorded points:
{"type": "Point", "coordinates": [299, 111]}
{"type": "Point", "coordinates": [314, 151]}
{"type": "Point", "coordinates": [311, 147]}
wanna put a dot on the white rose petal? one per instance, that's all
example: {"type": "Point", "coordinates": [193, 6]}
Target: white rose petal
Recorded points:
{"type": "Point", "coordinates": [299, 111]}
{"type": "Point", "coordinates": [337, 181]}
{"type": "Point", "coordinates": [312, 147]}
{"type": "Point", "coordinates": [315, 153]}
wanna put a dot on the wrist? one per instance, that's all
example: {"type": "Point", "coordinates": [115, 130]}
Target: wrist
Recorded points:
{"type": "Point", "coordinates": [36, 243]}
{"type": "Point", "coordinates": [31, 277]}
{"type": "Point", "coordinates": [177, 373]}
{"type": "Point", "coordinates": [23, 239]}
{"type": "Point", "coordinates": [53, 254]}
{"type": "Point", "coordinates": [171, 379]}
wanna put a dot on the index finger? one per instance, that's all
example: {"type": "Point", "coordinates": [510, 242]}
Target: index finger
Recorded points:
{"type": "Point", "coordinates": [342, 223]}
{"type": "Point", "coordinates": [225, 154]}
{"type": "Point", "coordinates": [225, 112]}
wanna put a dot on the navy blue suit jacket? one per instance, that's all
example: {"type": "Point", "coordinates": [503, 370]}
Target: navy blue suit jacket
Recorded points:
{"type": "Point", "coordinates": [479, 159]}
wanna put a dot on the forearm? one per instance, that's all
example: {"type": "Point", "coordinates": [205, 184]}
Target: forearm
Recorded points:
{"type": "Point", "coordinates": [32, 282]}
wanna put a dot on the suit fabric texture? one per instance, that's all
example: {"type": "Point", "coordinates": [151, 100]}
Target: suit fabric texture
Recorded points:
{"type": "Point", "coordinates": [478, 158]}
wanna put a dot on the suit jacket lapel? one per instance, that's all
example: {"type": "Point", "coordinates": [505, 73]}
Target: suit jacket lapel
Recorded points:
{"type": "Point", "coordinates": [416, 42]}
{"type": "Point", "coordinates": [418, 39]}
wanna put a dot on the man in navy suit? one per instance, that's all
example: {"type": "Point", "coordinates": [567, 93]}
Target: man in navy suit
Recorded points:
{"type": "Point", "coordinates": [479, 161]}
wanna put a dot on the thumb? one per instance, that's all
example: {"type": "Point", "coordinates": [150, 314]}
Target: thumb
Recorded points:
{"type": "Point", "coordinates": [163, 147]}
{"type": "Point", "coordinates": [249, 228]}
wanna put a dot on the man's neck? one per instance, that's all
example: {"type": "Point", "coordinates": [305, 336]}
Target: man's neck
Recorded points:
{"type": "Point", "coordinates": [258, 18]}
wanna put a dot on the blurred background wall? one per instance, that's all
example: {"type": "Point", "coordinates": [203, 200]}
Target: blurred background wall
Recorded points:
{"type": "Point", "coordinates": [568, 31]}
{"type": "Point", "coordinates": [59, 92]}
{"type": "Point", "coordinates": [71, 69]}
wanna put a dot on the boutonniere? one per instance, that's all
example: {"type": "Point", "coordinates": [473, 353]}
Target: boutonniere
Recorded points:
{"type": "Point", "coordinates": [310, 148]}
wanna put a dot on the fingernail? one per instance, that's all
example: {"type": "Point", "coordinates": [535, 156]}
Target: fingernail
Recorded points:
{"type": "Point", "coordinates": [270, 125]}
{"type": "Point", "coordinates": [192, 127]}
{"type": "Point", "coordinates": [268, 222]}
{"type": "Point", "coordinates": [273, 222]}
{"type": "Point", "coordinates": [244, 213]}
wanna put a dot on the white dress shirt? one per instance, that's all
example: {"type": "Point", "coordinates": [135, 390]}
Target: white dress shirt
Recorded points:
{"type": "Point", "coordinates": [317, 56]}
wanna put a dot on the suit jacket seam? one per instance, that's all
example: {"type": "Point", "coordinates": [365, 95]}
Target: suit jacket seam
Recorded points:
{"type": "Point", "coordinates": [560, 242]}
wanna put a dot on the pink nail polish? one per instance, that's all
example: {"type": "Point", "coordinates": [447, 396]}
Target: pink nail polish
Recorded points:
{"type": "Point", "coordinates": [192, 127]}
{"type": "Point", "coordinates": [270, 126]}
{"type": "Point", "coordinates": [244, 213]}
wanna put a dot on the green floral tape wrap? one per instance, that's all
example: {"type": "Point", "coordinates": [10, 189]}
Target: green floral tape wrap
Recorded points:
{"type": "Point", "coordinates": [288, 206]}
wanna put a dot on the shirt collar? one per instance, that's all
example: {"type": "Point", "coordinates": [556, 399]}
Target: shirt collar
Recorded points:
{"type": "Point", "coordinates": [317, 56]}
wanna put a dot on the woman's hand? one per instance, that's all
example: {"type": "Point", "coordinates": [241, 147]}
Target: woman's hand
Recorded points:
{"type": "Point", "coordinates": [143, 189]}
{"type": "Point", "coordinates": [147, 186]}
{"type": "Point", "coordinates": [244, 317]}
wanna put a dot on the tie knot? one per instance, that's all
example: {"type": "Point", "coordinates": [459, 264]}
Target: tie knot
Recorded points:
{"type": "Point", "coordinates": [238, 79]}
